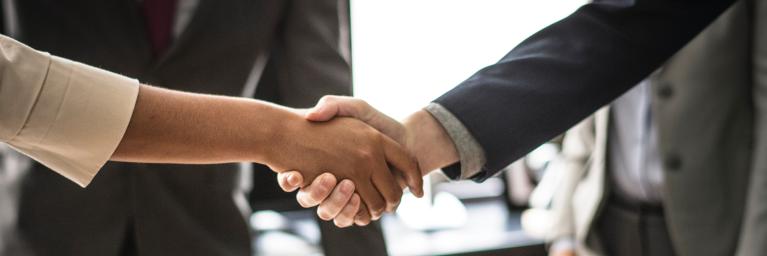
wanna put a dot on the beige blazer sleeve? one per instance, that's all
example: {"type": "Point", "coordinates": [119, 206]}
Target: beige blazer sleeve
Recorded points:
{"type": "Point", "coordinates": [68, 116]}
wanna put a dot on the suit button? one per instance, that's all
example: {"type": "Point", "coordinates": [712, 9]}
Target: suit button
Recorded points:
{"type": "Point", "coordinates": [665, 91]}
{"type": "Point", "coordinates": [672, 162]}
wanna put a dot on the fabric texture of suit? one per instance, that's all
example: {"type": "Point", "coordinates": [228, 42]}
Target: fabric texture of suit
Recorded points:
{"type": "Point", "coordinates": [705, 118]}
{"type": "Point", "coordinates": [563, 73]}
{"type": "Point", "coordinates": [174, 209]}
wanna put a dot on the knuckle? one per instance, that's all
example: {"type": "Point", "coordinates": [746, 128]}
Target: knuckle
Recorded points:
{"type": "Point", "coordinates": [367, 152]}
{"type": "Point", "coordinates": [317, 194]}
{"type": "Point", "coordinates": [327, 99]}
{"type": "Point", "coordinates": [364, 104]}
{"type": "Point", "coordinates": [357, 102]}
{"type": "Point", "coordinates": [366, 155]}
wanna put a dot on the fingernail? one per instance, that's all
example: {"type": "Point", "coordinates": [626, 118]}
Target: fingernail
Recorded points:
{"type": "Point", "coordinates": [346, 186]}
{"type": "Point", "coordinates": [325, 180]}
{"type": "Point", "coordinates": [292, 179]}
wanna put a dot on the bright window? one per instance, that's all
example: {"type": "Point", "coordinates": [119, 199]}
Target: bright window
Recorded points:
{"type": "Point", "coordinates": [408, 52]}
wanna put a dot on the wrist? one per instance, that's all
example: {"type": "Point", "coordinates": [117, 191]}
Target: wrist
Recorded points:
{"type": "Point", "coordinates": [276, 130]}
{"type": "Point", "coordinates": [429, 142]}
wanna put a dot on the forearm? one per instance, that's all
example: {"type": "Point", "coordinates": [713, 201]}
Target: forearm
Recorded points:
{"type": "Point", "coordinates": [176, 127]}
{"type": "Point", "coordinates": [429, 142]}
{"type": "Point", "coordinates": [568, 70]}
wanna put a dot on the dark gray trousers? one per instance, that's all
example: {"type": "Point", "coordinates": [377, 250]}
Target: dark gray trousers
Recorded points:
{"type": "Point", "coordinates": [633, 230]}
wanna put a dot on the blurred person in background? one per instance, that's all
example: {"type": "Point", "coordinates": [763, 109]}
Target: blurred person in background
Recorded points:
{"type": "Point", "coordinates": [626, 189]}
{"type": "Point", "coordinates": [710, 151]}
{"type": "Point", "coordinates": [301, 47]}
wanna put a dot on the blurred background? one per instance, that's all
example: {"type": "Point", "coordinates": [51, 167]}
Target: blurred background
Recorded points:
{"type": "Point", "coordinates": [406, 53]}
{"type": "Point", "coordinates": [399, 55]}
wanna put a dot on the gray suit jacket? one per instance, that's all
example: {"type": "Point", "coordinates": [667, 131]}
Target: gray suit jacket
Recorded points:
{"type": "Point", "coordinates": [174, 209]}
{"type": "Point", "coordinates": [707, 106]}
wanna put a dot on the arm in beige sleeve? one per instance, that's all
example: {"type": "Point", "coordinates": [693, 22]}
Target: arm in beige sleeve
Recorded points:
{"type": "Point", "coordinates": [68, 116]}
{"type": "Point", "coordinates": [74, 118]}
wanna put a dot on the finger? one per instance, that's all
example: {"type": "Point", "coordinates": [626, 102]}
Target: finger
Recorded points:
{"type": "Point", "coordinates": [363, 216]}
{"type": "Point", "coordinates": [372, 199]}
{"type": "Point", "coordinates": [346, 217]}
{"type": "Point", "coordinates": [316, 192]}
{"type": "Point", "coordinates": [405, 163]}
{"type": "Point", "coordinates": [388, 187]}
{"type": "Point", "coordinates": [400, 178]}
{"type": "Point", "coordinates": [290, 181]}
{"type": "Point", "coordinates": [333, 205]}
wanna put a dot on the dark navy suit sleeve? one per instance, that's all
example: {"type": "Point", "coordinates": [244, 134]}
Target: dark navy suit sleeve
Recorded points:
{"type": "Point", "coordinates": [570, 69]}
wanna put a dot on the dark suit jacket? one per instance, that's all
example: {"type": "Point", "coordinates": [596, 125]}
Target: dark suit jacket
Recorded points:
{"type": "Point", "coordinates": [173, 209]}
{"type": "Point", "coordinates": [570, 69]}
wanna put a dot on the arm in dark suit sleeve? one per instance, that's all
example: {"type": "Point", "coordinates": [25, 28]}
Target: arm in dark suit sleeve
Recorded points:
{"type": "Point", "coordinates": [568, 70]}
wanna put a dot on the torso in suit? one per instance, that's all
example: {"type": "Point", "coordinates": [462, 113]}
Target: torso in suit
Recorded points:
{"type": "Point", "coordinates": [172, 209]}
{"type": "Point", "coordinates": [702, 104]}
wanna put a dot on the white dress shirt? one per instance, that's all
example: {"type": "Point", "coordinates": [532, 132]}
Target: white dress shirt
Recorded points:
{"type": "Point", "coordinates": [634, 160]}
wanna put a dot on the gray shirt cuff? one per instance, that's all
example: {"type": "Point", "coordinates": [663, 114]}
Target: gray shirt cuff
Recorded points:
{"type": "Point", "coordinates": [471, 154]}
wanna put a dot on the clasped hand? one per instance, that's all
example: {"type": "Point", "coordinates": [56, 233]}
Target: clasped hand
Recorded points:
{"type": "Point", "coordinates": [375, 167]}
{"type": "Point", "coordinates": [338, 201]}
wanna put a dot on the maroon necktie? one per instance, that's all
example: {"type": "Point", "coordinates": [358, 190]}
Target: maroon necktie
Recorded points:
{"type": "Point", "coordinates": [159, 16]}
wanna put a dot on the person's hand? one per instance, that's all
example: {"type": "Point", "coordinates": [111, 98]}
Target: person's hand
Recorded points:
{"type": "Point", "coordinates": [420, 133]}
{"type": "Point", "coordinates": [328, 108]}
{"type": "Point", "coordinates": [349, 149]}
{"type": "Point", "coordinates": [419, 124]}
{"type": "Point", "coordinates": [343, 207]}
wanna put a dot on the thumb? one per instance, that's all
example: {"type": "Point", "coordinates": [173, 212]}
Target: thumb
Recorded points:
{"type": "Point", "coordinates": [290, 180]}
{"type": "Point", "coordinates": [323, 111]}
{"type": "Point", "coordinates": [335, 106]}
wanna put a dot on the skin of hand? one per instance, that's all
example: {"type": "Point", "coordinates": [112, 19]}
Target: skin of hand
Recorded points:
{"type": "Point", "coordinates": [420, 133]}
{"type": "Point", "coordinates": [319, 190]}
{"type": "Point", "coordinates": [563, 253]}
{"type": "Point", "coordinates": [210, 129]}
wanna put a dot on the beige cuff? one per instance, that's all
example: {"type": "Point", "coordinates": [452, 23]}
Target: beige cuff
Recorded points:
{"type": "Point", "coordinates": [78, 120]}
{"type": "Point", "coordinates": [471, 154]}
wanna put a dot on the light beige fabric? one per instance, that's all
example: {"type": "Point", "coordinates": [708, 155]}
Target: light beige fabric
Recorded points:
{"type": "Point", "coordinates": [66, 115]}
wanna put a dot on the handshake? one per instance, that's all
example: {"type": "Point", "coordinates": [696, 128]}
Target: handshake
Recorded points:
{"type": "Point", "coordinates": [372, 155]}
{"type": "Point", "coordinates": [341, 139]}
